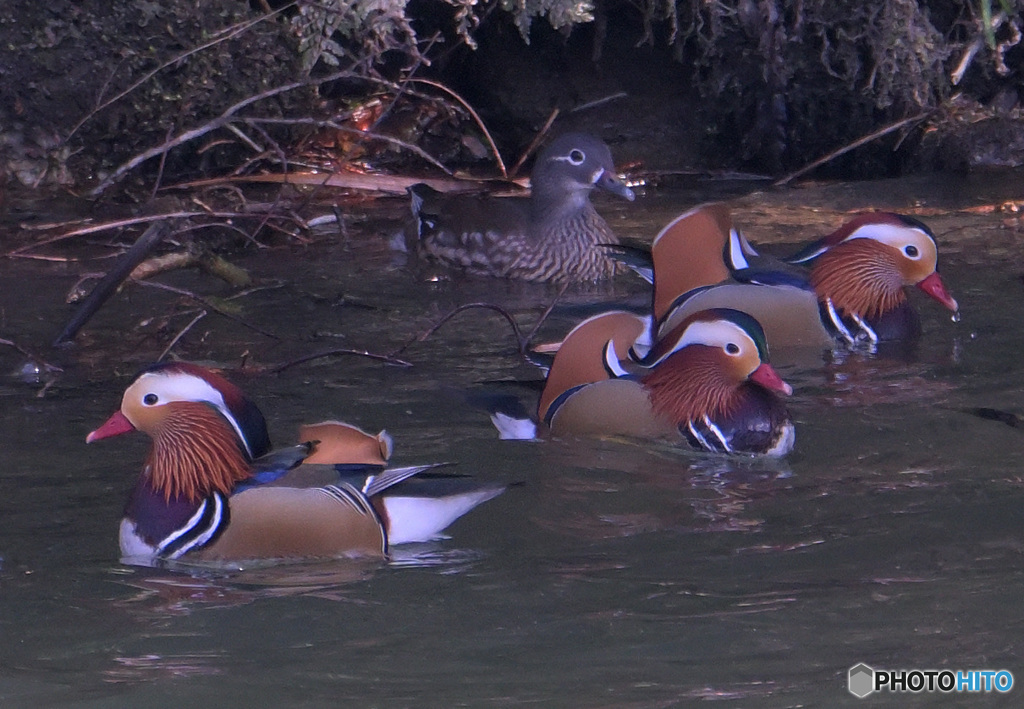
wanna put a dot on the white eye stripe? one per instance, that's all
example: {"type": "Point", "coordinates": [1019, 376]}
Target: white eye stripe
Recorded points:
{"type": "Point", "coordinates": [169, 387]}
{"type": "Point", "coordinates": [575, 157]}
{"type": "Point", "coordinates": [717, 333]}
{"type": "Point", "coordinates": [898, 237]}
{"type": "Point", "coordinates": [179, 387]}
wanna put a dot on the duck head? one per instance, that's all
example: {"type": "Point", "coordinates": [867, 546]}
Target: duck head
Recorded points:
{"type": "Point", "coordinates": [702, 366]}
{"type": "Point", "coordinates": [573, 164]}
{"type": "Point", "coordinates": [863, 266]}
{"type": "Point", "coordinates": [205, 431]}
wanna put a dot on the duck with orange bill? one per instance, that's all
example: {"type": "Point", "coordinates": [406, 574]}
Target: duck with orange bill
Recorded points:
{"type": "Point", "coordinates": [212, 489]}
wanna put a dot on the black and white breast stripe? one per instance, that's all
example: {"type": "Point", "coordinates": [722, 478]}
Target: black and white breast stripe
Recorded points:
{"type": "Point", "coordinates": [854, 330]}
{"type": "Point", "coordinates": [351, 497]}
{"type": "Point", "coordinates": [707, 435]}
{"type": "Point", "coordinates": [208, 522]}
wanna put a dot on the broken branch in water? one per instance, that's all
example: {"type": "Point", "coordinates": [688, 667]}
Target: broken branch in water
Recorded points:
{"type": "Point", "coordinates": [210, 263]}
{"type": "Point", "coordinates": [181, 334]}
{"type": "Point", "coordinates": [110, 282]}
{"type": "Point", "coordinates": [543, 317]}
{"type": "Point", "coordinates": [392, 357]}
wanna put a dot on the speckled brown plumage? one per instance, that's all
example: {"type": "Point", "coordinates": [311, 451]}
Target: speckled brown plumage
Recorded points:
{"type": "Point", "coordinates": [553, 235]}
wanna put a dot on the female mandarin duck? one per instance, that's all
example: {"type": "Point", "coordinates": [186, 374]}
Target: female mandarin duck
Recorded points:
{"type": "Point", "coordinates": [854, 292]}
{"type": "Point", "coordinates": [212, 490]}
{"type": "Point", "coordinates": [707, 383]}
{"type": "Point", "coordinates": [553, 235]}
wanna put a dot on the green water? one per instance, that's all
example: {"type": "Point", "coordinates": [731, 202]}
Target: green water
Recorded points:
{"type": "Point", "coordinates": [614, 575]}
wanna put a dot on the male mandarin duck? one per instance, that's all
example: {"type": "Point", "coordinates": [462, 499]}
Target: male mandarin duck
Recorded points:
{"type": "Point", "coordinates": [707, 383]}
{"type": "Point", "coordinates": [212, 490]}
{"type": "Point", "coordinates": [555, 234]}
{"type": "Point", "coordinates": [853, 293]}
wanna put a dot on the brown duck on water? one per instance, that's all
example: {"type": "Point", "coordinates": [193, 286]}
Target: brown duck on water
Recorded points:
{"type": "Point", "coordinates": [553, 235]}
{"type": "Point", "coordinates": [211, 490]}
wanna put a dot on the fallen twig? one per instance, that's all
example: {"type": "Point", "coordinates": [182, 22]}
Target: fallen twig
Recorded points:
{"type": "Point", "coordinates": [520, 340]}
{"type": "Point", "coordinates": [885, 130]}
{"type": "Point", "coordinates": [334, 125]}
{"type": "Point", "coordinates": [392, 357]}
{"type": "Point", "coordinates": [543, 317]}
{"type": "Point", "coordinates": [181, 333]}
{"type": "Point", "coordinates": [388, 359]}
{"type": "Point", "coordinates": [31, 355]}
{"type": "Point", "coordinates": [210, 263]}
{"type": "Point", "coordinates": [599, 102]}
{"type": "Point", "coordinates": [391, 184]}
{"type": "Point", "coordinates": [223, 119]}
{"type": "Point", "coordinates": [19, 252]}
{"type": "Point", "coordinates": [534, 143]}
{"type": "Point", "coordinates": [207, 304]}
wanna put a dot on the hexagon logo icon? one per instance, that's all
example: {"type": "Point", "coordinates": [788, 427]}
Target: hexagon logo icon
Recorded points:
{"type": "Point", "coordinates": [861, 680]}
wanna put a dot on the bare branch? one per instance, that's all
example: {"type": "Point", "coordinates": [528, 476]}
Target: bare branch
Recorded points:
{"type": "Point", "coordinates": [520, 340]}
{"type": "Point", "coordinates": [207, 304]}
{"type": "Point", "coordinates": [181, 333]}
{"type": "Point", "coordinates": [885, 130]}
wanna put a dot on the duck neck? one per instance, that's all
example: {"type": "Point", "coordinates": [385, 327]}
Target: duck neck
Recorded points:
{"type": "Point", "coordinates": [551, 202]}
{"type": "Point", "coordinates": [860, 277]}
{"type": "Point", "coordinates": [195, 453]}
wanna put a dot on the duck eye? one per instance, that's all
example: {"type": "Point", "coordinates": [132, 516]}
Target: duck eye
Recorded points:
{"type": "Point", "coordinates": [150, 399]}
{"type": "Point", "coordinates": [576, 157]}
{"type": "Point", "coordinates": [732, 348]}
{"type": "Point", "coordinates": [911, 251]}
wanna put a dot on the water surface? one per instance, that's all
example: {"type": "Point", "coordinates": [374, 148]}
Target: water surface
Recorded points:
{"type": "Point", "coordinates": [611, 575]}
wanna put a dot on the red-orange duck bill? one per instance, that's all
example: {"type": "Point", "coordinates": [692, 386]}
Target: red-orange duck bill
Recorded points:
{"type": "Point", "coordinates": [766, 376]}
{"type": "Point", "coordinates": [113, 426]}
{"type": "Point", "coordinates": [934, 287]}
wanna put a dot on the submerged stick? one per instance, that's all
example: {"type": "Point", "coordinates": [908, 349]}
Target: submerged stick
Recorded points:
{"type": "Point", "coordinates": [387, 359]}
{"type": "Point", "coordinates": [181, 334]}
{"type": "Point", "coordinates": [29, 354]}
{"type": "Point", "coordinates": [110, 282]}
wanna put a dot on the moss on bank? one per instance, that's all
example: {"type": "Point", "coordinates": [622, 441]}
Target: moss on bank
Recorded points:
{"type": "Point", "coordinates": [759, 84]}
